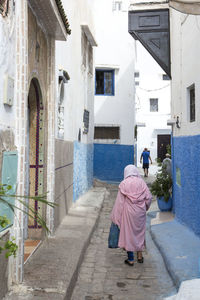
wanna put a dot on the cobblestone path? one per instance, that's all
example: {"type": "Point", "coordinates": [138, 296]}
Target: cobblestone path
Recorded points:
{"type": "Point", "coordinates": [104, 276]}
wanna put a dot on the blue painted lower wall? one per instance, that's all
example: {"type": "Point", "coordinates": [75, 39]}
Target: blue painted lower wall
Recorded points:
{"type": "Point", "coordinates": [83, 169]}
{"type": "Point", "coordinates": [186, 181]}
{"type": "Point", "coordinates": [110, 160]}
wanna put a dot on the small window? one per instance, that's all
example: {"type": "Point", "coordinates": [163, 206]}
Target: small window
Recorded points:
{"type": "Point", "coordinates": [111, 132]}
{"type": "Point", "coordinates": [86, 115]}
{"type": "Point", "coordinates": [105, 82]}
{"type": "Point", "coordinates": [153, 105]}
{"type": "Point", "coordinates": [165, 77]}
{"type": "Point", "coordinates": [137, 83]}
{"type": "Point", "coordinates": [117, 5]}
{"type": "Point", "coordinates": [136, 74]}
{"type": "Point", "coordinates": [192, 103]}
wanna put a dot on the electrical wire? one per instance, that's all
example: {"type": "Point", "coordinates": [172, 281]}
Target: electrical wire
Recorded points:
{"type": "Point", "coordinates": [158, 89]}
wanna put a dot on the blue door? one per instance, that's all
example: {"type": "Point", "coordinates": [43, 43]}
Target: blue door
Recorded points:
{"type": "Point", "coordinates": [9, 177]}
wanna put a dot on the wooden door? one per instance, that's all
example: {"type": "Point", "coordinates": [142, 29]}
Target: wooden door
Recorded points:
{"type": "Point", "coordinates": [162, 141]}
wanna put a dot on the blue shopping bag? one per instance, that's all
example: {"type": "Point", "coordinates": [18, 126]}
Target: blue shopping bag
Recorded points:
{"type": "Point", "coordinates": [113, 237]}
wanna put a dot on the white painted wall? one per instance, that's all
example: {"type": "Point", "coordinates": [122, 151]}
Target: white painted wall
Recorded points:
{"type": "Point", "coordinates": [151, 85]}
{"type": "Point", "coordinates": [116, 48]}
{"type": "Point", "coordinates": [79, 91]}
{"type": "Point", "coordinates": [185, 49]}
{"type": "Point", "coordinates": [7, 65]}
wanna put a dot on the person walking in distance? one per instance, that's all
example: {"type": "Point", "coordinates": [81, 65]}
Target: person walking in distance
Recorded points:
{"type": "Point", "coordinates": [145, 156]}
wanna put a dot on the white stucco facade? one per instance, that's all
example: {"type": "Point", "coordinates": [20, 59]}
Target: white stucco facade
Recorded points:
{"type": "Point", "coordinates": [7, 66]}
{"type": "Point", "coordinates": [185, 47]}
{"type": "Point", "coordinates": [79, 90]}
{"type": "Point", "coordinates": [150, 124]}
{"type": "Point", "coordinates": [116, 51]}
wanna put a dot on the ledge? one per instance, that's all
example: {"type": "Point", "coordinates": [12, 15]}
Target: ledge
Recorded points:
{"type": "Point", "coordinates": [89, 35]}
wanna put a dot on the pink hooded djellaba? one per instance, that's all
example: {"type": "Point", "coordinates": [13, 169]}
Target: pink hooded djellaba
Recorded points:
{"type": "Point", "coordinates": [129, 211]}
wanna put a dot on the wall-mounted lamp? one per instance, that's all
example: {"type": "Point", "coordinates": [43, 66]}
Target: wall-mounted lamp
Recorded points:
{"type": "Point", "coordinates": [171, 122]}
{"type": "Point", "coordinates": [174, 121]}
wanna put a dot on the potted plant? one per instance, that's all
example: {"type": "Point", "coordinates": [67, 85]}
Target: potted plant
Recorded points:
{"type": "Point", "coordinates": [162, 189]}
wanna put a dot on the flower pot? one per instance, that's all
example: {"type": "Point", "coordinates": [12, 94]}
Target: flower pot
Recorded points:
{"type": "Point", "coordinates": [163, 205]}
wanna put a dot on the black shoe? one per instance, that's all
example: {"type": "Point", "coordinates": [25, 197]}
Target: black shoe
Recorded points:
{"type": "Point", "coordinates": [140, 260]}
{"type": "Point", "coordinates": [129, 263]}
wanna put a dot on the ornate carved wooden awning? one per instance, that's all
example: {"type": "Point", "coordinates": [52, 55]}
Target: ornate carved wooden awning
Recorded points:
{"type": "Point", "coordinates": [151, 28]}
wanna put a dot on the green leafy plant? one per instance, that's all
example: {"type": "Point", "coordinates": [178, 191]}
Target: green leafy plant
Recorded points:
{"type": "Point", "coordinates": [162, 186]}
{"type": "Point", "coordinates": [5, 197]}
{"type": "Point", "coordinates": [168, 148]}
{"type": "Point", "coordinates": [159, 162]}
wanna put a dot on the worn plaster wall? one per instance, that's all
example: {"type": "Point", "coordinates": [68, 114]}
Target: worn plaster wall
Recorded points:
{"type": "Point", "coordinates": [7, 68]}
{"type": "Point", "coordinates": [7, 113]}
{"type": "Point", "coordinates": [185, 47]}
{"type": "Point", "coordinates": [63, 179]}
{"type": "Point", "coordinates": [78, 92]}
{"type": "Point", "coordinates": [110, 161]}
{"type": "Point", "coordinates": [186, 181]}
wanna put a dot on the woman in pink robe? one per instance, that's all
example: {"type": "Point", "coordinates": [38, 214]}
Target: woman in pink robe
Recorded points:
{"type": "Point", "coordinates": [129, 213]}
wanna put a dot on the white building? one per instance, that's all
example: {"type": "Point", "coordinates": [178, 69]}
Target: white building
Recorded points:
{"type": "Point", "coordinates": [114, 91]}
{"type": "Point", "coordinates": [173, 27]}
{"type": "Point", "coordinates": [153, 105]}
{"type": "Point", "coordinates": [185, 47]}
{"type": "Point", "coordinates": [28, 30]}
{"type": "Point", "coordinates": [75, 106]}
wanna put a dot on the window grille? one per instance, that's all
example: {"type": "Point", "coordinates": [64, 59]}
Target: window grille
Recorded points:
{"type": "Point", "coordinates": [86, 115]}
{"type": "Point", "coordinates": [192, 103]}
{"type": "Point", "coordinates": [117, 5]}
{"type": "Point", "coordinates": [105, 82]}
{"type": "Point", "coordinates": [110, 132]}
{"type": "Point", "coordinates": [153, 105]}
{"type": "Point", "coordinates": [136, 74]}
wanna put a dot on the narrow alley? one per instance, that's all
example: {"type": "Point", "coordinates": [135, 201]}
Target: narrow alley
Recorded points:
{"type": "Point", "coordinates": [94, 94]}
{"type": "Point", "coordinates": [103, 274]}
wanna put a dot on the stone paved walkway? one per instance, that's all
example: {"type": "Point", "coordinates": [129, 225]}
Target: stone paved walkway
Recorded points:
{"type": "Point", "coordinates": [104, 276]}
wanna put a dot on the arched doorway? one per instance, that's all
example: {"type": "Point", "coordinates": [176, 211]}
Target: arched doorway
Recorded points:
{"type": "Point", "coordinates": [36, 155]}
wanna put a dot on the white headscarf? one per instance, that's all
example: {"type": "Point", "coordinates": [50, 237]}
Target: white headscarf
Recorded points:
{"type": "Point", "coordinates": [131, 170]}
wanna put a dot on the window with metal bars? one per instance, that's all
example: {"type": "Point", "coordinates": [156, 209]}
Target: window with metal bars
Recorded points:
{"type": "Point", "coordinates": [153, 104]}
{"type": "Point", "coordinates": [104, 82]}
{"type": "Point", "coordinates": [117, 5]}
{"type": "Point", "coordinates": [107, 132]}
{"type": "Point", "coordinates": [192, 103]}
